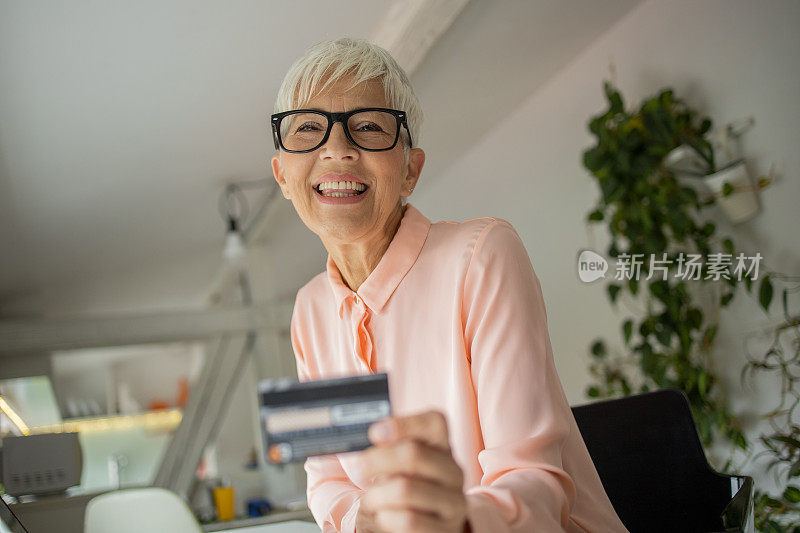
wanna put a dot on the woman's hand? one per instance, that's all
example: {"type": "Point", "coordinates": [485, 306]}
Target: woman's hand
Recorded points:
{"type": "Point", "coordinates": [416, 484]}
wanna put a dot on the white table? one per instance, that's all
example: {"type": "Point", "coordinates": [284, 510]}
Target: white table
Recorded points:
{"type": "Point", "coordinates": [291, 526]}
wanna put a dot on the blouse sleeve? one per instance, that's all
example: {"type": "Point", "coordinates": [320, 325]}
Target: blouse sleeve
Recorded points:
{"type": "Point", "coordinates": [332, 498]}
{"type": "Point", "coordinates": [523, 411]}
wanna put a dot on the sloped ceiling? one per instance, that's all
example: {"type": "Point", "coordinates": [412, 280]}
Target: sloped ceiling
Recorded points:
{"type": "Point", "coordinates": [121, 121]}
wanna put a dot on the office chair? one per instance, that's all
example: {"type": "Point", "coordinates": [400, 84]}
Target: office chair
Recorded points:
{"type": "Point", "coordinates": [648, 454]}
{"type": "Point", "coordinates": [150, 509]}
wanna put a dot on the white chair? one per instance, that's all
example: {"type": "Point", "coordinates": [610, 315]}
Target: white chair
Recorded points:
{"type": "Point", "coordinates": [150, 509]}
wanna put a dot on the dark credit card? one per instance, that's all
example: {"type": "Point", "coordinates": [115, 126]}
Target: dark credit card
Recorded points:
{"type": "Point", "coordinates": [301, 419]}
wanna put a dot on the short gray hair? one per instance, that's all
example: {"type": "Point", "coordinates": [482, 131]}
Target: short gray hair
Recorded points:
{"type": "Point", "coordinates": [366, 61]}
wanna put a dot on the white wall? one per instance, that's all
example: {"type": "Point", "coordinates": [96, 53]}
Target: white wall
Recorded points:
{"type": "Point", "coordinates": [730, 59]}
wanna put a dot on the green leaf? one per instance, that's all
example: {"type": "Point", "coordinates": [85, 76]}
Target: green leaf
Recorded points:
{"type": "Point", "coordinates": [599, 349]}
{"type": "Point", "coordinates": [720, 417]}
{"type": "Point", "coordinates": [710, 333]}
{"type": "Point", "coordinates": [792, 494]}
{"type": "Point", "coordinates": [708, 229]}
{"type": "Point", "coordinates": [702, 383]}
{"type": "Point", "coordinates": [765, 293]}
{"type": "Point", "coordinates": [595, 216]}
{"type": "Point", "coordinates": [613, 291]}
{"type": "Point", "coordinates": [649, 360]}
{"type": "Point", "coordinates": [703, 428]}
{"type": "Point", "coordinates": [593, 392]}
{"type": "Point", "coordinates": [611, 189]}
{"type": "Point", "coordinates": [795, 470]}
{"type": "Point", "coordinates": [633, 286]}
{"type": "Point", "coordinates": [727, 189]}
{"type": "Point", "coordinates": [664, 334]}
{"type": "Point", "coordinates": [596, 125]}
{"type": "Point", "coordinates": [660, 289]}
{"type": "Point", "coordinates": [739, 440]}
{"type": "Point", "coordinates": [789, 441]}
{"type": "Point", "coordinates": [627, 329]}
{"type": "Point", "coordinates": [614, 98]}
{"type": "Point", "coordinates": [727, 244]}
{"type": "Point", "coordinates": [694, 317]}
{"type": "Point", "coordinates": [593, 159]}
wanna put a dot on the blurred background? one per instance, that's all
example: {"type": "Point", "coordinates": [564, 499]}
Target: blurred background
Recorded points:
{"type": "Point", "coordinates": [130, 132]}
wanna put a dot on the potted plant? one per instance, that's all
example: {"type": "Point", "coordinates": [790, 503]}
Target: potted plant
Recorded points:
{"type": "Point", "coordinates": [727, 181]}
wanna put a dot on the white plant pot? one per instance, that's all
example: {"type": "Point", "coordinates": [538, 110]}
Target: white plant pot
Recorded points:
{"type": "Point", "coordinates": [740, 205]}
{"type": "Point", "coordinates": [683, 160]}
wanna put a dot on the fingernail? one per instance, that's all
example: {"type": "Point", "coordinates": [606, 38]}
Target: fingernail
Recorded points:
{"type": "Point", "coordinates": [382, 430]}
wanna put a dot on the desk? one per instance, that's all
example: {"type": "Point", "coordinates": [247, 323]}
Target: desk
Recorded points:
{"type": "Point", "coordinates": [66, 515]}
{"type": "Point", "coordinates": [274, 518]}
{"type": "Point", "coordinates": [292, 526]}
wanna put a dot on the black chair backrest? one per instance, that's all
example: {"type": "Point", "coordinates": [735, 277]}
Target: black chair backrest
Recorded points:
{"type": "Point", "coordinates": [648, 454]}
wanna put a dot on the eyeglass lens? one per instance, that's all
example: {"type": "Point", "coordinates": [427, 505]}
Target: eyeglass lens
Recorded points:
{"type": "Point", "coordinates": [372, 130]}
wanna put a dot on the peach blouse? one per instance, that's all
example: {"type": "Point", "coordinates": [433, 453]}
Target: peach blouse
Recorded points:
{"type": "Point", "coordinates": [454, 314]}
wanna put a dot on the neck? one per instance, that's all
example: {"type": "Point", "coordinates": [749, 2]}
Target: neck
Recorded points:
{"type": "Point", "coordinates": [356, 261]}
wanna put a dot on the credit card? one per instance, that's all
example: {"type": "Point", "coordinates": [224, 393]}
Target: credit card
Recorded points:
{"type": "Point", "coordinates": [303, 419]}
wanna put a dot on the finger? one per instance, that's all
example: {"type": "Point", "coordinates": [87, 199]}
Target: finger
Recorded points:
{"type": "Point", "coordinates": [412, 458]}
{"type": "Point", "coordinates": [429, 426]}
{"type": "Point", "coordinates": [400, 492]}
{"type": "Point", "coordinates": [366, 521]}
{"type": "Point", "coordinates": [409, 521]}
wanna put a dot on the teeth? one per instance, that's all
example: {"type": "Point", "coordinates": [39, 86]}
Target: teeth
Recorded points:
{"type": "Point", "coordinates": [338, 194]}
{"type": "Point", "coordinates": [352, 185]}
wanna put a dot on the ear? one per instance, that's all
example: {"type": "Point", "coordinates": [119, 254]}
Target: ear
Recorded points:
{"type": "Point", "coordinates": [277, 171]}
{"type": "Point", "coordinates": [416, 160]}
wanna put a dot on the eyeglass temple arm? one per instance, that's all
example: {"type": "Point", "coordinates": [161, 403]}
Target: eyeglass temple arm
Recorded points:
{"type": "Point", "coordinates": [275, 136]}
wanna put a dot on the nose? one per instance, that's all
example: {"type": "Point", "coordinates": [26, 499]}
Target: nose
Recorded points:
{"type": "Point", "coordinates": [338, 146]}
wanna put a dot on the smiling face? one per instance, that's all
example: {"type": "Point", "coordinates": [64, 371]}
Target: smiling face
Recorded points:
{"type": "Point", "coordinates": [364, 218]}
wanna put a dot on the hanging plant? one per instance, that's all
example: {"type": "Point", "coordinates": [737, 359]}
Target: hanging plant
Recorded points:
{"type": "Point", "coordinates": [656, 217]}
{"type": "Point", "coordinates": [650, 214]}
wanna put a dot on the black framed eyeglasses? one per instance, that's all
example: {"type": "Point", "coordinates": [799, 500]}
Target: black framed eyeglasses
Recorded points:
{"type": "Point", "coordinates": [374, 129]}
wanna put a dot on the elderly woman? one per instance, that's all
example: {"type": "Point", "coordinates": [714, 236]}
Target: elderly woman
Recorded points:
{"type": "Point", "coordinates": [482, 438]}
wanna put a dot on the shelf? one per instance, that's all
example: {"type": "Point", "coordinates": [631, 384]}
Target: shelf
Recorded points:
{"type": "Point", "coordinates": [275, 516]}
{"type": "Point", "coordinates": [166, 419]}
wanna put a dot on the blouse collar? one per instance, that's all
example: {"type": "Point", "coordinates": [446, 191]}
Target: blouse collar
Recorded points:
{"type": "Point", "coordinates": [398, 259]}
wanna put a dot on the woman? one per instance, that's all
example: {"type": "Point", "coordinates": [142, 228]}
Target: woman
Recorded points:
{"type": "Point", "coordinates": [482, 438]}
